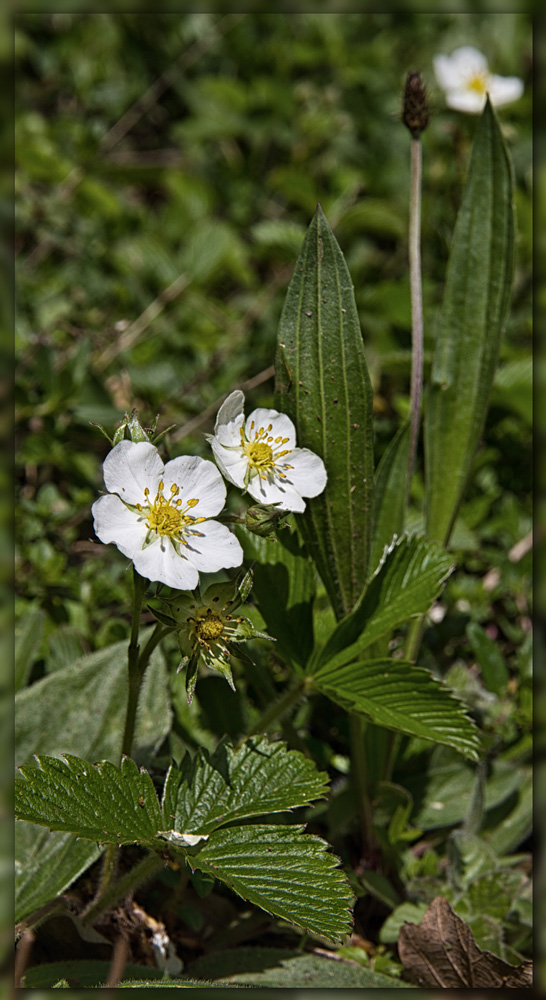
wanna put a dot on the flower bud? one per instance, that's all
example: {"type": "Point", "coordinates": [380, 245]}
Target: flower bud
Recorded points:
{"type": "Point", "coordinates": [265, 519]}
{"type": "Point", "coordinates": [415, 106]}
{"type": "Point", "coordinates": [130, 428]}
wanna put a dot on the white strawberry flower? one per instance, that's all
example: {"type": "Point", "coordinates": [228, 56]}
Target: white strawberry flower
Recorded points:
{"type": "Point", "coordinates": [259, 455]}
{"type": "Point", "coordinates": [159, 516]}
{"type": "Point", "coordinates": [466, 80]}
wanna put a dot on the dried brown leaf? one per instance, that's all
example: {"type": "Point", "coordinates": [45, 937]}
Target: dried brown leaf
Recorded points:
{"type": "Point", "coordinates": [442, 952]}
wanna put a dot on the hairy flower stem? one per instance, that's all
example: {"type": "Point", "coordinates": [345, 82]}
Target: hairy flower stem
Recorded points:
{"type": "Point", "coordinates": [135, 673]}
{"type": "Point", "coordinates": [360, 777]}
{"type": "Point", "coordinates": [416, 301]}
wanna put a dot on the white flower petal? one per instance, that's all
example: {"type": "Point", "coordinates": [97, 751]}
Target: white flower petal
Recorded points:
{"type": "Point", "coordinates": [307, 475]}
{"type": "Point", "coordinates": [231, 462]}
{"type": "Point", "coordinates": [230, 419]}
{"type": "Point", "coordinates": [114, 522]}
{"type": "Point", "coordinates": [454, 71]}
{"type": "Point", "coordinates": [505, 89]}
{"type": "Point", "coordinates": [282, 425]}
{"type": "Point", "coordinates": [160, 562]}
{"type": "Point", "coordinates": [212, 546]}
{"type": "Point", "coordinates": [130, 467]}
{"type": "Point", "coordinates": [198, 479]}
{"type": "Point", "coordinates": [277, 491]}
{"type": "Point", "coordinates": [469, 101]}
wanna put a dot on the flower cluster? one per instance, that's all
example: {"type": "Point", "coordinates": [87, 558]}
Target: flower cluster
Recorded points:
{"type": "Point", "coordinates": [465, 78]}
{"type": "Point", "coordinates": [162, 517]}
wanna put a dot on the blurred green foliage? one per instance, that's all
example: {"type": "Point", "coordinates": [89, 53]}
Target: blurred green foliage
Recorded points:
{"type": "Point", "coordinates": [168, 165]}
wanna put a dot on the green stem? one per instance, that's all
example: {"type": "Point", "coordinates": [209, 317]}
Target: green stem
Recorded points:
{"type": "Point", "coordinates": [157, 635]}
{"type": "Point", "coordinates": [414, 636]}
{"type": "Point", "coordinates": [134, 669]}
{"type": "Point", "coordinates": [120, 889]}
{"type": "Point", "coordinates": [416, 301]}
{"type": "Point", "coordinates": [280, 707]}
{"type": "Point", "coordinates": [359, 774]}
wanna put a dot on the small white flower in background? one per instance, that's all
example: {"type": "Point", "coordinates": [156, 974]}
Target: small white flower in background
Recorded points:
{"type": "Point", "coordinates": [260, 456]}
{"type": "Point", "coordinates": [159, 516]}
{"type": "Point", "coordinates": [466, 80]}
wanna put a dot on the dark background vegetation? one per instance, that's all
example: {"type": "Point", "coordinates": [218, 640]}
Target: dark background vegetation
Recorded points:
{"type": "Point", "coordinates": [167, 168]}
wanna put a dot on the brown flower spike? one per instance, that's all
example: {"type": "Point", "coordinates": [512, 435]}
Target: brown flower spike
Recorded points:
{"type": "Point", "coordinates": [415, 106]}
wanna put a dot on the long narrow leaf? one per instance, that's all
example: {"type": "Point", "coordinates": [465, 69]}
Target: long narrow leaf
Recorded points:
{"type": "Point", "coordinates": [473, 315]}
{"type": "Point", "coordinates": [322, 383]}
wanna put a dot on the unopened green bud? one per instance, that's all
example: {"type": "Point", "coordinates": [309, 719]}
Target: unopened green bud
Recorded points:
{"type": "Point", "coordinates": [130, 429]}
{"type": "Point", "coordinates": [265, 519]}
{"type": "Point", "coordinates": [415, 106]}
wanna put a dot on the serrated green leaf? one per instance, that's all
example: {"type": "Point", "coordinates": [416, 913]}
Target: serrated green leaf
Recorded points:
{"type": "Point", "coordinates": [400, 696]}
{"type": "Point", "coordinates": [284, 872]}
{"type": "Point", "coordinates": [256, 778]}
{"type": "Point", "coordinates": [322, 383]}
{"type": "Point", "coordinates": [77, 710]}
{"type": "Point", "coordinates": [284, 588]}
{"type": "Point", "coordinates": [96, 801]}
{"type": "Point", "coordinates": [474, 311]}
{"type": "Point", "coordinates": [405, 585]}
{"type": "Point", "coordinates": [391, 488]}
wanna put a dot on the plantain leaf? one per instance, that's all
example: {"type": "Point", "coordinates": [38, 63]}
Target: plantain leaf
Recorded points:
{"type": "Point", "coordinates": [256, 778]}
{"type": "Point", "coordinates": [391, 487]}
{"type": "Point", "coordinates": [322, 383]}
{"type": "Point", "coordinates": [284, 588]}
{"type": "Point", "coordinates": [473, 315]}
{"type": "Point", "coordinates": [405, 585]}
{"type": "Point", "coordinates": [284, 872]}
{"type": "Point", "coordinates": [400, 696]}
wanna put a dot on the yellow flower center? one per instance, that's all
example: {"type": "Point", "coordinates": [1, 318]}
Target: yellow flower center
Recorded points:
{"type": "Point", "coordinates": [262, 451]}
{"type": "Point", "coordinates": [478, 83]}
{"type": "Point", "coordinates": [167, 515]}
{"type": "Point", "coordinates": [209, 628]}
